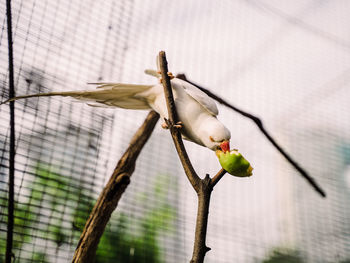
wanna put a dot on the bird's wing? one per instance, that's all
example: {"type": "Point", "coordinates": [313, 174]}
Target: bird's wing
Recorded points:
{"type": "Point", "coordinates": [106, 94]}
{"type": "Point", "coordinates": [198, 95]}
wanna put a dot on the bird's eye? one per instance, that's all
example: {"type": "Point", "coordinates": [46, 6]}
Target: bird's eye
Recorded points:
{"type": "Point", "coordinates": [211, 138]}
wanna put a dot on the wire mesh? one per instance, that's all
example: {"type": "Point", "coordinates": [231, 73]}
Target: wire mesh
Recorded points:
{"type": "Point", "coordinates": [287, 62]}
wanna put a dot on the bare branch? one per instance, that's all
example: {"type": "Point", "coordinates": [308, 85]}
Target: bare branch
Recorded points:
{"type": "Point", "coordinates": [175, 133]}
{"type": "Point", "coordinates": [259, 123]}
{"type": "Point", "coordinates": [111, 194]}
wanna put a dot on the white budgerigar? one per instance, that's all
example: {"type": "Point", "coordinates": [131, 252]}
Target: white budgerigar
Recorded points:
{"type": "Point", "coordinates": [196, 111]}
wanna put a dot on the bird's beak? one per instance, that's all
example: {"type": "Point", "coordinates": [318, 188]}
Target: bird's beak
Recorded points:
{"type": "Point", "coordinates": [225, 146]}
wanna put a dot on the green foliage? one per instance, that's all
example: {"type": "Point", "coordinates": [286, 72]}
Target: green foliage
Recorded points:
{"type": "Point", "coordinates": [39, 257]}
{"type": "Point", "coordinates": [136, 240]}
{"type": "Point", "coordinates": [281, 255]}
{"type": "Point", "coordinates": [46, 192]}
{"type": "Point", "coordinates": [45, 213]}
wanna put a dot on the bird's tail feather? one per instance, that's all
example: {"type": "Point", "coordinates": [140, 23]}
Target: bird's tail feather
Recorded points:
{"type": "Point", "coordinates": [48, 94]}
{"type": "Point", "coordinates": [106, 94]}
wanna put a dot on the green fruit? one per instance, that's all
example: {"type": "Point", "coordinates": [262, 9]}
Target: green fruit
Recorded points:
{"type": "Point", "coordinates": [234, 163]}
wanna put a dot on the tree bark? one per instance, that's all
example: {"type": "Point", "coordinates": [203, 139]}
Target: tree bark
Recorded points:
{"type": "Point", "coordinates": [204, 193]}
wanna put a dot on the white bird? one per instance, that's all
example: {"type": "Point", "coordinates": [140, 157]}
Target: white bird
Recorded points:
{"type": "Point", "coordinates": [196, 111]}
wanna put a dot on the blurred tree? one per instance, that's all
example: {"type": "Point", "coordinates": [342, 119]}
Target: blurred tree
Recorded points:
{"type": "Point", "coordinates": [54, 200]}
{"type": "Point", "coordinates": [282, 255]}
{"type": "Point", "coordinates": [136, 239]}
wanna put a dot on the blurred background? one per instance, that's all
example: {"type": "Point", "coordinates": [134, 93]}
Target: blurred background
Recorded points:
{"type": "Point", "coordinates": [287, 62]}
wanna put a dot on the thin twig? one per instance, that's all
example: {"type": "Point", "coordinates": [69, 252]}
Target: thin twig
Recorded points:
{"type": "Point", "coordinates": [203, 187]}
{"type": "Point", "coordinates": [217, 177]}
{"type": "Point", "coordinates": [111, 194]}
{"type": "Point", "coordinates": [259, 123]}
{"type": "Point", "coordinates": [10, 214]}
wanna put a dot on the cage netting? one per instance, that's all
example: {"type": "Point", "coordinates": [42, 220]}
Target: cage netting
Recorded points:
{"type": "Point", "coordinates": [287, 62]}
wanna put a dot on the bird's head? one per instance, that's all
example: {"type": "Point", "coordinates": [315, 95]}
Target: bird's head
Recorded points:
{"type": "Point", "coordinates": [217, 136]}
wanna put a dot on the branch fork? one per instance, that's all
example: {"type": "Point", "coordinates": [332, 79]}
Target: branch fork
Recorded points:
{"type": "Point", "coordinates": [203, 187]}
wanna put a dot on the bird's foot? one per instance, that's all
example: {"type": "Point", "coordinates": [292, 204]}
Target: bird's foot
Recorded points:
{"type": "Point", "coordinates": [178, 125]}
{"type": "Point", "coordinates": [171, 76]}
{"type": "Point", "coordinates": [167, 124]}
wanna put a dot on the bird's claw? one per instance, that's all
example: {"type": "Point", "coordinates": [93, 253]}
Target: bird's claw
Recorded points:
{"type": "Point", "coordinates": [171, 76]}
{"type": "Point", "coordinates": [167, 124]}
{"type": "Point", "coordinates": [178, 125]}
